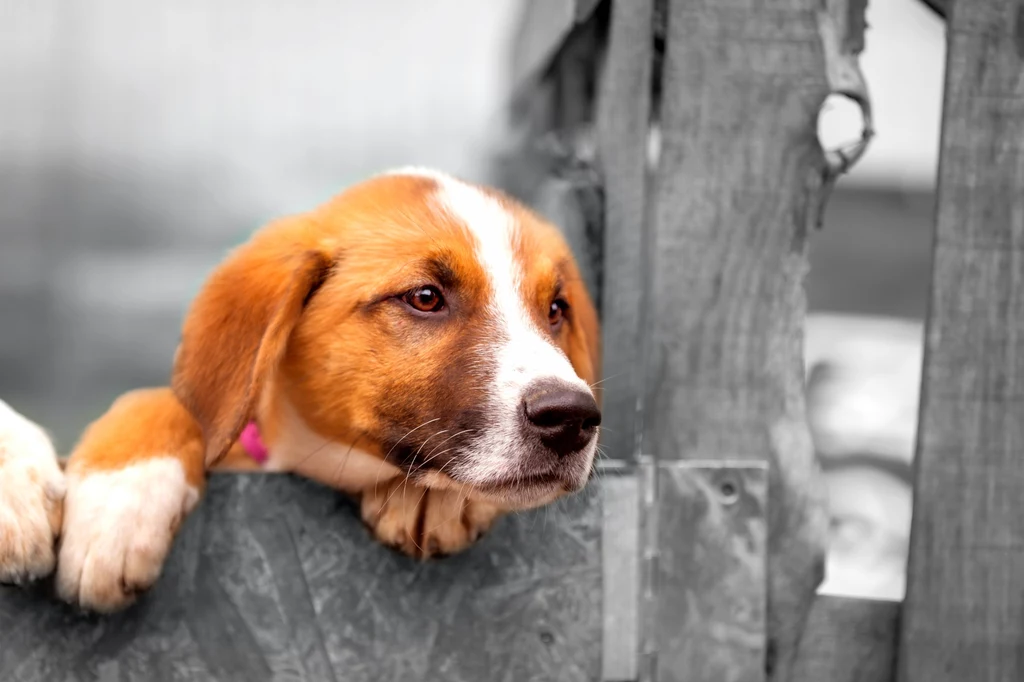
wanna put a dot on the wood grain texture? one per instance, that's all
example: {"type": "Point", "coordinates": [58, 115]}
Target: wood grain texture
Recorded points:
{"type": "Point", "coordinates": [542, 28]}
{"type": "Point", "coordinates": [276, 578]}
{"type": "Point", "coordinates": [849, 640]}
{"type": "Point", "coordinates": [964, 612]}
{"type": "Point", "coordinates": [739, 176]}
{"type": "Point", "coordinates": [623, 122]}
{"type": "Point", "coordinates": [620, 578]}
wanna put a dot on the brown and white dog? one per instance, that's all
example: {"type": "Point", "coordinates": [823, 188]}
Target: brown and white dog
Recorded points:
{"type": "Point", "coordinates": [420, 342]}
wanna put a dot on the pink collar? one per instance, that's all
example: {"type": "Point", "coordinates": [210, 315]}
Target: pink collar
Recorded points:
{"type": "Point", "coordinates": [252, 441]}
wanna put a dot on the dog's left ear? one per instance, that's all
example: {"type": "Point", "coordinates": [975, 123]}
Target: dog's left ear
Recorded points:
{"type": "Point", "coordinates": [238, 327]}
{"type": "Point", "coordinates": [584, 343]}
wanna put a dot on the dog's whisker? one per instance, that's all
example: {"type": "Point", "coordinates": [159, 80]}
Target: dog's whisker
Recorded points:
{"type": "Point", "coordinates": [454, 435]}
{"type": "Point", "coordinates": [314, 451]}
{"type": "Point", "coordinates": [409, 465]}
{"type": "Point", "coordinates": [438, 433]}
{"type": "Point", "coordinates": [608, 378]}
{"type": "Point", "coordinates": [431, 456]}
{"type": "Point", "coordinates": [394, 490]}
{"type": "Point", "coordinates": [397, 443]}
{"type": "Point", "coordinates": [446, 450]}
{"type": "Point", "coordinates": [337, 475]}
{"type": "Point", "coordinates": [376, 482]}
{"type": "Point", "coordinates": [440, 469]}
{"type": "Point", "coordinates": [409, 433]}
{"type": "Point", "coordinates": [405, 483]}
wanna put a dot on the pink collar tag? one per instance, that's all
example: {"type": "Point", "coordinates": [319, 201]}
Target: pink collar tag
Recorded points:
{"type": "Point", "coordinates": [253, 443]}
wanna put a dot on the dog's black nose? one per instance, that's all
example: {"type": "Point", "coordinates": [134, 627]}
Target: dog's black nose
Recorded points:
{"type": "Point", "coordinates": [563, 417]}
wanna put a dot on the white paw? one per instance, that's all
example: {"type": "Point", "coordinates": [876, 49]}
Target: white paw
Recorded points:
{"type": "Point", "coordinates": [118, 530]}
{"type": "Point", "coordinates": [31, 494]}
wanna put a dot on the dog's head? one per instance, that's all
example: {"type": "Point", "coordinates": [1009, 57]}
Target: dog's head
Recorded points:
{"type": "Point", "coordinates": [439, 325]}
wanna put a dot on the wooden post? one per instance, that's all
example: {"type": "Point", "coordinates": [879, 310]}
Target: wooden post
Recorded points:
{"type": "Point", "coordinates": [739, 179]}
{"type": "Point", "coordinates": [849, 640]}
{"type": "Point", "coordinates": [963, 617]}
{"type": "Point", "coordinates": [623, 123]}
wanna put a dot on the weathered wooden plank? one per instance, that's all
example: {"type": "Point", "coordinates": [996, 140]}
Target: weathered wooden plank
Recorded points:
{"type": "Point", "coordinates": [623, 123]}
{"type": "Point", "coordinates": [276, 578]}
{"type": "Point", "coordinates": [740, 173]}
{"type": "Point", "coordinates": [849, 640]}
{"type": "Point", "coordinates": [620, 577]}
{"type": "Point", "coordinates": [548, 158]}
{"type": "Point", "coordinates": [705, 555]}
{"type": "Point", "coordinates": [543, 27]}
{"type": "Point", "coordinates": [963, 617]}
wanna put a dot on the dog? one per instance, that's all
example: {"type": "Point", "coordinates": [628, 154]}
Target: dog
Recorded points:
{"type": "Point", "coordinates": [422, 343]}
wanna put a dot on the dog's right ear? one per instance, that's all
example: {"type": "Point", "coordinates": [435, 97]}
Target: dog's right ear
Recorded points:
{"type": "Point", "coordinates": [236, 330]}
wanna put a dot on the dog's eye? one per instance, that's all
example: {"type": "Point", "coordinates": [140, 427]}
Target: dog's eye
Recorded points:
{"type": "Point", "coordinates": [556, 313]}
{"type": "Point", "coordinates": [425, 299]}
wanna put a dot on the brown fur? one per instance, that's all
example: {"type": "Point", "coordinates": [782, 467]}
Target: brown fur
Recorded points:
{"type": "Point", "coordinates": [302, 315]}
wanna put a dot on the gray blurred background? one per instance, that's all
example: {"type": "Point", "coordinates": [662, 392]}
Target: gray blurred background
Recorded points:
{"type": "Point", "coordinates": [140, 141]}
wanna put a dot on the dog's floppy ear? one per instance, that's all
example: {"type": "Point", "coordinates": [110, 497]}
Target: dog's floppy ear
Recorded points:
{"type": "Point", "coordinates": [237, 329]}
{"type": "Point", "coordinates": [584, 347]}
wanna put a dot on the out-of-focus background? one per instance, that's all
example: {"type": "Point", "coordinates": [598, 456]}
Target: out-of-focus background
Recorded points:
{"type": "Point", "coordinates": [139, 141]}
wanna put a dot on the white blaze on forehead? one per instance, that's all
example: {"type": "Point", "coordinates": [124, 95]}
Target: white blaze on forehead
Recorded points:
{"type": "Point", "coordinates": [526, 352]}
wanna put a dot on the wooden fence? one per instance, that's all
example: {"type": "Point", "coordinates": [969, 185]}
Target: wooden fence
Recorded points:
{"type": "Point", "coordinates": [696, 554]}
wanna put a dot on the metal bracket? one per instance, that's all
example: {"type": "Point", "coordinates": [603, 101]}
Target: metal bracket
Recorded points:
{"type": "Point", "coordinates": [703, 556]}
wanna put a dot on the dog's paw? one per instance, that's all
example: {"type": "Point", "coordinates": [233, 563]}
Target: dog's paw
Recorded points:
{"type": "Point", "coordinates": [423, 522]}
{"type": "Point", "coordinates": [118, 529]}
{"type": "Point", "coordinates": [31, 499]}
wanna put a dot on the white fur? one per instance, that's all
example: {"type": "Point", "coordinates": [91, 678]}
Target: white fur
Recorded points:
{"type": "Point", "coordinates": [523, 354]}
{"type": "Point", "coordinates": [31, 489]}
{"type": "Point", "coordinates": [118, 529]}
{"type": "Point", "coordinates": [300, 450]}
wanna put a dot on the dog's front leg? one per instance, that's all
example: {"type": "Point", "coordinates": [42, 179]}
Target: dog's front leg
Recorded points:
{"type": "Point", "coordinates": [135, 474]}
{"type": "Point", "coordinates": [31, 497]}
